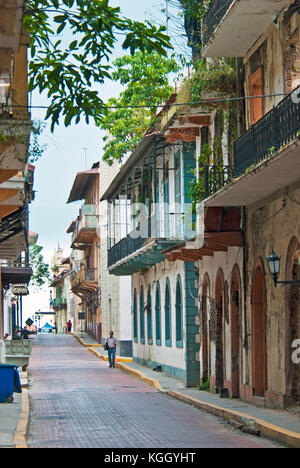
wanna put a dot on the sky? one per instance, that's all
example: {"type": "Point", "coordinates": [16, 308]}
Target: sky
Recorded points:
{"type": "Point", "coordinates": [69, 150]}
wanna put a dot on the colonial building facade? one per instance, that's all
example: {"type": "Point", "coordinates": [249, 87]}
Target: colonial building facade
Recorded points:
{"type": "Point", "coordinates": [263, 320]}
{"type": "Point", "coordinates": [16, 175]}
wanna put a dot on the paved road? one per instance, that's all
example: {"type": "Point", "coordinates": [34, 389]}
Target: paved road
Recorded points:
{"type": "Point", "coordinates": [78, 402]}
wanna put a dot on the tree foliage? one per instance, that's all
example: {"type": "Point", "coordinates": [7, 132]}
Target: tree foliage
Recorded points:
{"type": "Point", "coordinates": [145, 78]}
{"type": "Point", "coordinates": [190, 14]}
{"type": "Point", "coordinates": [67, 70]}
{"type": "Point", "coordinates": [41, 272]}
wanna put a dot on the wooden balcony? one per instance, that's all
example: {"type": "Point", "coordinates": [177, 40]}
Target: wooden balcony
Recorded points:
{"type": "Point", "coordinates": [85, 228]}
{"type": "Point", "coordinates": [85, 281]}
{"type": "Point", "coordinates": [15, 273]}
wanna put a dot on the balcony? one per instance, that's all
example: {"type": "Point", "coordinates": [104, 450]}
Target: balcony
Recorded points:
{"type": "Point", "coordinates": [214, 178]}
{"type": "Point", "coordinates": [15, 273]}
{"type": "Point", "coordinates": [13, 234]}
{"type": "Point", "coordinates": [14, 143]}
{"type": "Point", "coordinates": [59, 303]}
{"type": "Point", "coordinates": [85, 228]}
{"type": "Point", "coordinates": [84, 284]}
{"type": "Point", "coordinates": [144, 247]}
{"type": "Point", "coordinates": [85, 278]}
{"type": "Point", "coordinates": [11, 14]}
{"type": "Point", "coordinates": [226, 26]}
{"type": "Point", "coordinates": [266, 157]}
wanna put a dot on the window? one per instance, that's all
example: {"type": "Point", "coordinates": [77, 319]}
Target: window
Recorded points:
{"type": "Point", "coordinates": [177, 186]}
{"type": "Point", "coordinates": [256, 89]}
{"type": "Point", "coordinates": [166, 201]}
{"type": "Point", "coordinates": [142, 316]}
{"type": "Point", "coordinates": [135, 318]}
{"type": "Point", "coordinates": [158, 315]}
{"type": "Point", "coordinates": [178, 307]}
{"type": "Point", "coordinates": [149, 317]}
{"type": "Point", "coordinates": [168, 329]}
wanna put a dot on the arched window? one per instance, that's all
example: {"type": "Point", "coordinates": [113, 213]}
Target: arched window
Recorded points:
{"type": "Point", "coordinates": [168, 326]}
{"type": "Point", "coordinates": [142, 316]}
{"type": "Point", "coordinates": [135, 318]}
{"type": "Point", "coordinates": [179, 318]}
{"type": "Point", "coordinates": [149, 317]}
{"type": "Point", "coordinates": [158, 315]}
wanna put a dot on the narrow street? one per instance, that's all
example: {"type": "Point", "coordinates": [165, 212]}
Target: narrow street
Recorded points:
{"type": "Point", "coordinates": [76, 401]}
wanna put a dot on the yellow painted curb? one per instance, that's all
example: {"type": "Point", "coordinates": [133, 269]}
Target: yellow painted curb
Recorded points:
{"type": "Point", "coordinates": [140, 375]}
{"type": "Point", "coordinates": [23, 425]}
{"type": "Point", "coordinates": [276, 433]}
{"type": "Point", "coordinates": [105, 358]}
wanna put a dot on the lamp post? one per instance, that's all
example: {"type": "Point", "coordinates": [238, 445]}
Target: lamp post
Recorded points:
{"type": "Point", "coordinates": [274, 266]}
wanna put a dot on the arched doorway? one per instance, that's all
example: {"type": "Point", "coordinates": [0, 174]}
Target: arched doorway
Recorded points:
{"type": "Point", "coordinates": [219, 335]}
{"type": "Point", "coordinates": [292, 301]}
{"type": "Point", "coordinates": [259, 349]}
{"type": "Point", "coordinates": [205, 346]}
{"type": "Point", "coordinates": [235, 330]}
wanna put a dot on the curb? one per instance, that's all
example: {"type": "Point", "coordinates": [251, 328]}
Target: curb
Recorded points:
{"type": "Point", "coordinates": [243, 421]}
{"type": "Point", "coordinates": [246, 423]}
{"type": "Point", "coordinates": [23, 424]}
{"type": "Point", "coordinates": [92, 348]}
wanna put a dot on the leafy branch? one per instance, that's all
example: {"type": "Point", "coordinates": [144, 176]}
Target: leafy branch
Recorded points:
{"type": "Point", "coordinates": [68, 70]}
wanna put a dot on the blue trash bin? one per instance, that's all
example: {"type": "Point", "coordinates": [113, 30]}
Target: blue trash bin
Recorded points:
{"type": "Point", "coordinates": [7, 382]}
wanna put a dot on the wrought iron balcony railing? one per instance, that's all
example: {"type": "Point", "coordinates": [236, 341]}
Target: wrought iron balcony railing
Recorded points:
{"type": "Point", "coordinates": [215, 178]}
{"type": "Point", "coordinates": [170, 227]}
{"type": "Point", "coordinates": [277, 128]}
{"type": "Point", "coordinates": [215, 14]}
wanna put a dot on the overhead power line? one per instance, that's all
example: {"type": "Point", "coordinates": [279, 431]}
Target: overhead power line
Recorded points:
{"type": "Point", "coordinates": [178, 104]}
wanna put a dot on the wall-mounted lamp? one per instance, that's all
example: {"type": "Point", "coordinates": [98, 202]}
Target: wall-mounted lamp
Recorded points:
{"type": "Point", "coordinates": [274, 266]}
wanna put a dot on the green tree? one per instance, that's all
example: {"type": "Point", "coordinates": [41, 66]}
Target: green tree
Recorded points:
{"type": "Point", "coordinates": [41, 272]}
{"type": "Point", "coordinates": [67, 70]}
{"type": "Point", "coordinates": [145, 80]}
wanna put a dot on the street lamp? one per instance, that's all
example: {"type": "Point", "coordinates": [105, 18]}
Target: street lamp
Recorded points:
{"type": "Point", "coordinates": [274, 266]}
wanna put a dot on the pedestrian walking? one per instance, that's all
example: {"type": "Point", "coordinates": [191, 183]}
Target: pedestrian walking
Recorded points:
{"type": "Point", "coordinates": [110, 345]}
{"type": "Point", "coordinates": [69, 325]}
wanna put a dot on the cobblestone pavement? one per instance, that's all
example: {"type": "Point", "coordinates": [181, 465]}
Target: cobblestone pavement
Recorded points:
{"type": "Point", "coordinates": [78, 402]}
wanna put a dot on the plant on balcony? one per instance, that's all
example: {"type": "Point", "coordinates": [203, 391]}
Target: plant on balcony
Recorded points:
{"type": "Point", "coordinates": [211, 80]}
{"type": "Point", "coordinates": [210, 177]}
{"type": "Point", "coordinates": [197, 189]}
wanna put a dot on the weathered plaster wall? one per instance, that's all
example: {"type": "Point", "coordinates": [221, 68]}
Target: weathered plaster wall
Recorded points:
{"type": "Point", "coordinates": [209, 267]}
{"type": "Point", "coordinates": [271, 224]}
{"type": "Point", "coordinates": [277, 52]}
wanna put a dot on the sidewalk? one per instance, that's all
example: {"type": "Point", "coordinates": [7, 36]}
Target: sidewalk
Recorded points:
{"type": "Point", "coordinates": [14, 418]}
{"type": "Point", "coordinates": [275, 424]}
